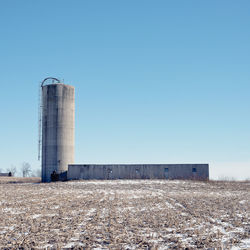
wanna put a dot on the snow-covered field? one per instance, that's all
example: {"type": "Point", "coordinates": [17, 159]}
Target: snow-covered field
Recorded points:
{"type": "Point", "coordinates": [125, 214]}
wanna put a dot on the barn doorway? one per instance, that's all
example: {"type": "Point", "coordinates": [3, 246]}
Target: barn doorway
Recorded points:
{"type": "Point", "coordinates": [166, 174]}
{"type": "Point", "coordinates": [110, 174]}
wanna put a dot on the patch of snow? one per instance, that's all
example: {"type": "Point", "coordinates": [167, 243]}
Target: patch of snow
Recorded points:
{"type": "Point", "coordinates": [6, 229]}
{"type": "Point", "coordinates": [218, 228]}
{"type": "Point", "coordinates": [246, 243]}
{"type": "Point", "coordinates": [50, 215]}
{"type": "Point", "coordinates": [179, 205]}
{"type": "Point", "coordinates": [242, 201]}
{"type": "Point", "coordinates": [69, 245]}
{"type": "Point", "coordinates": [239, 215]}
{"type": "Point", "coordinates": [47, 246]}
{"type": "Point", "coordinates": [169, 205]}
{"type": "Point", "coordinates": [55, 207]}
{"type": "Point", "coordinates": [11, 210]}
{"type": "Point", "coordinates": [36, 216]}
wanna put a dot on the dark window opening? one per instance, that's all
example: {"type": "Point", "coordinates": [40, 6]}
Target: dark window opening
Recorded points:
{"type": "Point", "coordinates": [194, 170]}
{"type": "Point", "coordinates": [166, 169]}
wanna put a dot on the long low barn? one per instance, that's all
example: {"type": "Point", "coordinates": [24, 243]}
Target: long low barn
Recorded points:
{"type": "Point", "coordinates": [6, 174]}
{"type": "Point", "coordinates": [138, 171]}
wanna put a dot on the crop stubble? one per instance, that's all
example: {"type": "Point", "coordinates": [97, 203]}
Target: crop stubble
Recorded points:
{"type": "Point", "coordinates": [125, 214]}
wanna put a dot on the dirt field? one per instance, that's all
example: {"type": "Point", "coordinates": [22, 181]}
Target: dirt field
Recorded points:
{"type": "Point", "coordinates": [120, 214]}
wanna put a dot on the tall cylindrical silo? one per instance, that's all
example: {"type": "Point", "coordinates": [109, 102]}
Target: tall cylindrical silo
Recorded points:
{"type": "Point", "coordinates": [58, 118]}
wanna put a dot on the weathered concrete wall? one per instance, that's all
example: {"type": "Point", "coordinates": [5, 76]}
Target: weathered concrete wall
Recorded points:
{"type": "Point", "coordinates": [6, 174]}
{"type": "Point", "coordinates": [58, 118]}
{"type": "Point", "coordinates": [139, 171]}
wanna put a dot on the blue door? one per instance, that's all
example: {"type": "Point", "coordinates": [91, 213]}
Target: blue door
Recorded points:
{"type": "Point", "coordinates": [166, 173]}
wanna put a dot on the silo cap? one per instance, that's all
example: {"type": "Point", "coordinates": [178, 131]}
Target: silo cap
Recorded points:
{"type": "Point", "coordinates": [53, 79]}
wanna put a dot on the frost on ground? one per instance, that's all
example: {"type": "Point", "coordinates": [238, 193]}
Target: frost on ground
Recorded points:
{"type": "Point", "coordinates": [125, 214]}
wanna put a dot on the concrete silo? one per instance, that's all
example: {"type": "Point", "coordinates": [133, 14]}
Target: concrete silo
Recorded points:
{"type": "Point", "coordinates": [58, 121]}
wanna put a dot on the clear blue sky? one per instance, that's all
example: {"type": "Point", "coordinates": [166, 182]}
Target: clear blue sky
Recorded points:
{"type": "Point", "coordinates": [156, 81]}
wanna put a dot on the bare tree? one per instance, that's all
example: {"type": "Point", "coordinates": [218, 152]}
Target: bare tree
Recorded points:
{"type": "Point", "coordinates": [36, 173]}
{"type": "Point", "coordinates": [26, 169]}
{"type": "Point", "coordinates": [12, 169]}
